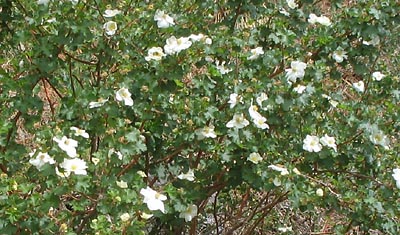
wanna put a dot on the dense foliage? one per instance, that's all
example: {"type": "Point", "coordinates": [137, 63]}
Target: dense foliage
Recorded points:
{"type": "Point", "coordinates": [198, 117]}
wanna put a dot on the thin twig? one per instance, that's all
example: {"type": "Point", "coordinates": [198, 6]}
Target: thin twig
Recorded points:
{"type": "Point", "coordinates": [215, 213]}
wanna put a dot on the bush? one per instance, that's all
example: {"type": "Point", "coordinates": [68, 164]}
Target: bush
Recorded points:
{"type": "Point", "coordinates": [198, 117]}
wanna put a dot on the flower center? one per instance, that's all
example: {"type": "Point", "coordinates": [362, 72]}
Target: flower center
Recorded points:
{"type": "Point", "coordinates": [41, 156]}
{"type": "Point", "coordinates": [74, 167]}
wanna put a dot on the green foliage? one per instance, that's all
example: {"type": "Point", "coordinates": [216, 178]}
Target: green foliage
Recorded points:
{"type": "Point", "coordinates": [62, 68]}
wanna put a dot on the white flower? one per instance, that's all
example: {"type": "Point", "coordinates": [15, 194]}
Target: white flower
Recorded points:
{"type": "Point", "coordinates": [206, 132]}
{"type": "Point", "coordinates": [254, 158]}
{"type": "Point", "coordinates": [221, 67]}
{"type": "Point", "coordinates": [40, 160]}
{"type": "Point", "coordinates": [187, 176]}
{"type": "Point", "coordinates": [339, 55]}
{"type": "Point", "coordinates": [324, 20]}
{"type": "Point", "coordinates": [379, 138]}
{"type": "Point", "coordinates": [95, 160]}
{"type": "Point", "coordinates": [145, 216]}
{"type": "Point", "coordinates": [95, 104]}
{"type": "Point", "coordinates": [296, 71]}
{"type": "Point", "coordinates": [377, 76]}
{"type": "Point", "coordinates": [51, 20]}
{"type": "Point", "coordinates": [155, 53]}
{"type": "Point", "coordinates": [123, 94]}
{"type": "Point", "coordinates": [68, 145]}
{"type": "Point", "coordinates": [62, 174]}
{"type": "Point", "coordinates": [334, 103]}
{"type": "Point", "coordinates": [277, 182]}
{"type": "Point", "coordinates": [79, 132]}
{"type": "Point", "coordinates": [312, 18]}
{"type": "Point", "coordinates": [208, 41]}
{"type": "Point", "coordinates": [122, 184]}
{"type": "Point", "coordinates": [285, 229]}
{"type": "Point", "coordinates": [110, 27]}
{"type": "Point", "coordinates": [43, 2]}
{"type": "Point", "coordinates": [142, 174]}
{"type": "Point", "coordinates": [196, 37]}
{"type": "Point", "coordinates": [76, 165]}
{"type": "Point", "coordinates": [253, 111]}
{"type": "Point", "coordinates": [359, 86]}
{"type": "Point", "coordinates": [153, 199]}
{"type": "Point", "coordinates": [311, 144]}
{"type": "Point", "coordinates": [238, 121]}
{"type": "Point", "coordinates": [375, 40]}
{"type": "Point", "coordinates": [163, 20]}
{"type": "Point", "coordinates": [319, 192]}
{"type": "Point", "coordinates": [260, 99]}
{"type": "Point", "coordinates": [174, 45]}
{"type": "Point", "coordinates": [292, 4]}
{"type": "Point", "coordinates": [119, 155]}
{"type": "Point", "coordinates": [260, 122]}
{"type": "Point", "coordinates": [296, 171]}
{"type": "Point", "coordinates": [396, 176]}
{"type": "Point", "coordinates": [282, 170]}
{"type": "Point", "coordinates": [299, 89]}
{"type": "Point", "coordinates": [328, 141]}
{"type": "Point", "coordinates": [284, 12]}
{"type": "Point", "coordinates": [255, 53]}
{"type": "Point", "coordinates": [111, 13]}
{"type": "Point", "coordinates": [234, 99]}
{"type": "Point", "coordinates": [189, 213]}
{"type": "Point", "coordinates": [125, 217]}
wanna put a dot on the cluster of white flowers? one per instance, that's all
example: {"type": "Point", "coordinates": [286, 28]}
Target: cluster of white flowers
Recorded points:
{"type": "Point", "coordinates": [313, 143]}
{"type": "Point", "coordinates": [257, 118]}
{"type": "Point", "coordinates": [239, 121]}
{"type": "Point", "coordinates": [111, 27]}
{"type": "Point", "coordinates": [173, 45]}
{"type": "Point", "coordinates": [296, 70]}
{"type": "Point", "coordinates": [323, 20]}
{"type": "Point", "coordinates": [69, 165]}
